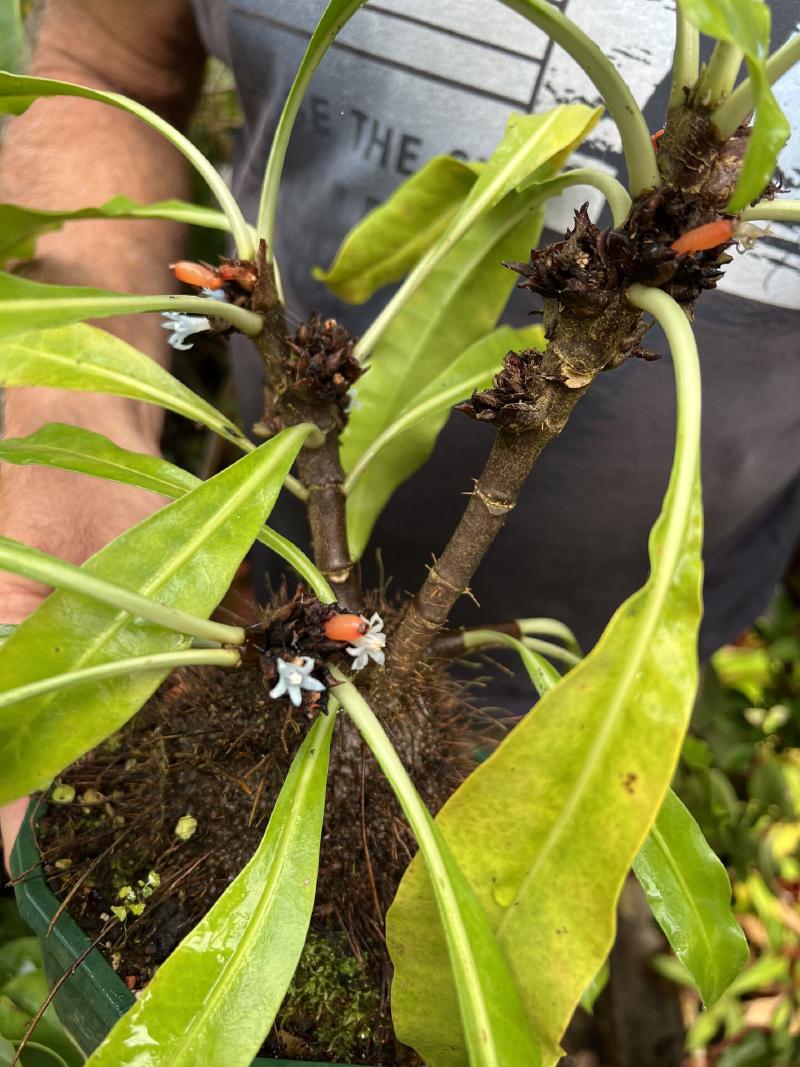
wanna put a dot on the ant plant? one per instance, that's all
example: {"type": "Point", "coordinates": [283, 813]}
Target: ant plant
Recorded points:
{"type": "Point", "coordinates": [506, 915]}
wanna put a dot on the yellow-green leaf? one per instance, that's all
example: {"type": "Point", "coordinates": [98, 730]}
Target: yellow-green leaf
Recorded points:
{"type": "Point", "coordinates": [87, 358]}
{"type": "Point", "coordinates": [183, 556]}
{"type": "Point", "coordinates": [389, 240]}
{"type": "Point", "coordinates": [458, 304]}
{"type": "Point", "coordinates": [547, 828]}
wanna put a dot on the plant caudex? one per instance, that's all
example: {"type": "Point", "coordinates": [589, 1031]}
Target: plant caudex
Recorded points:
{"type": "Point", "coordinates": [540, 837]}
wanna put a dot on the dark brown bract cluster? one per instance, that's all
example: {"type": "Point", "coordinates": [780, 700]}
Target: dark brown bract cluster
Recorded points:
{"type": "Point", "coordinates": [641, 249]}
{"type": "Point", "coordinates": [324, 367]}
{"type": "Point", "coordinates": [511, 402]}
{"type": "Point", "coordinates": [588, 268]}
{"type": "Point", "coordinates": [575, 271]}
{"type": "Point", "coordinates": [292, 628]}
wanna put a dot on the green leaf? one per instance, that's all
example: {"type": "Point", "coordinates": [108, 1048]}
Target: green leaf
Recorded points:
{"type": "Point", "coordinates": [531, 144]}
{"type": "Point", "coordinates": [595, 988]}
{"type": "Point", "coordinates": [689, 894]}
{"type": "Point", "coordinates": [12, 36]}
{"type": "Point", "coordinates": [334, 17]}
{"type": "Point", "coordinates": [215, 998]}
{"type": "Point", "coordinates": [389, 240]}
{"type": "Point", "coordinates": [27, 305]}
{"type": "Point", "coordinates": [75, 449]}
{"type": "Point", "coordinates": [542, 674]}
{"type": "Point", "coordinates": [19, 956]}
{"type": "Point", "coordinates": [20, 226]}
{"type": "Point", "coordinates": [20, 1000]}
{"type": "Point", "coordinates": [458, 304]}
{"type": "Point", "coordinates": [17, 93]}
{"type": "Point", "coordinates": [87, 358]}
{"type": "Point", "coordinates": [495, 1032]}
{"type": "Point", "coordinates": [185, 556]}
{"type": "Point", "coordinates": [746, 24]}
{"type": "Point", "coordinates": [546, 829]}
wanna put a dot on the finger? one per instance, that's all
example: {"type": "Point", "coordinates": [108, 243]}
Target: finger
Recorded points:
{"type": "Point", "coordinates": [11, 816]}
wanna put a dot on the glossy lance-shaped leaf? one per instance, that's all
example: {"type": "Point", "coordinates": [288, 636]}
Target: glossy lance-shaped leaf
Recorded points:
{"type": "Point", "coordinates": [74, 449]}
{"type": "Point", "coordinates": [547, 828]}
{"type": "Point", "coordinates": [459, 303]}
{"type": "Point", "coordinates": [184, 556]}
{"type": "Point", "coordinates": [746, 24]}
{"type": "Point", "coordinates": [215, 998]}
{"type": "Point", "coordinates": [689, 893]}
{"type": "Point", "coordinates": [87, 358]}
{"type": "Point", "coordinates": [17, 93]}
{"type": "Point", "coordinates": [390, 239]}
{"type": "Point", "coordinates": [418, 425]}
{"type": "Point", "coordinates": [531, 144]}
{"type": "Point", "coordinates": [492, 1029]}
{"type": "Point", "coordinates": [27, 305]}
{"type": "Point", "coordinates": [20, 226]}
{"type": "Point", "coordinates": [334, 17]}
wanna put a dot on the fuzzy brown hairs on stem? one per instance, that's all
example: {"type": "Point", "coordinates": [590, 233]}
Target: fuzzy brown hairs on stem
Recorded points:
{"type": "Point", "coordinates": [320, 468]}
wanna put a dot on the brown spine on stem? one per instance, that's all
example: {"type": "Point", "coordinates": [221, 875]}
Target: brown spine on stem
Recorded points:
{"type": "Point", "coordinates": [320, 468]}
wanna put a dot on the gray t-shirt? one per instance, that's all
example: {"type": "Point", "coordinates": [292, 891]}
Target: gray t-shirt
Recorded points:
{"type": "Point", "coordinates": [408, 79]}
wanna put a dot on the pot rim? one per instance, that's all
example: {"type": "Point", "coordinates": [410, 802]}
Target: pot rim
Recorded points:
{"type": "Point", "coordinates": [68, 943]}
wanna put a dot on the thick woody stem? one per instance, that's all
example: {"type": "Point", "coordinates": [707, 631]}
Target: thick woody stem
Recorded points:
{"type": "Point", "coordinates": [579, 349]}
{"type": "Point", "coordinates": [320, 468]}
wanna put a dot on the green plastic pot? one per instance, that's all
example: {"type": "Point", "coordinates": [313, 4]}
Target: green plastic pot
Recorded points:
{"type": "Point", "coordinates": [93, 996]}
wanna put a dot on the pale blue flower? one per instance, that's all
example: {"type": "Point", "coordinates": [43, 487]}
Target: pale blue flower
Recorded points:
{"type": "Point", "coordinates": [214, 294]}
{"type": "Point", "coordinates": [369, 646]}
{"type": "Point", "coordinates": [183, 326]}
{"type": "Point", "coordinates": [294, 675]}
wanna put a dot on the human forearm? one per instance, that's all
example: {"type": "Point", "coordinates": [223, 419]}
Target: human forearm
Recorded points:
{"type": "Point", "coordinates": [68, 153]}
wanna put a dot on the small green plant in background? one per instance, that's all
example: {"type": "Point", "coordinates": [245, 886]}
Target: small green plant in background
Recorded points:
{"type": "Point", "coordinates": [23, 988]}
{"type": "Point", "coordinates": [740, 776]}
{"type": "Point", "coordinates": [506, 915]}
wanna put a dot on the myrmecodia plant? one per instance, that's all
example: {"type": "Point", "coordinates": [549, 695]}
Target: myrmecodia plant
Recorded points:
{"type": "Point", "coordinates": [509, 913]}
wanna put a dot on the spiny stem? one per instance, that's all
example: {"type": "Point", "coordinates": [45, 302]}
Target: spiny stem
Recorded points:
{"type": "Point", "coordinates": [686, 58]}
{"type": "Point", "coordinates": [30, 563]}
{"type": "Point", "coordinates": [732, 112]}
{"type": "Point", "coordinates": [162, 661]}
{"type": "Point", "coordinates": [318, 462]}
{"type": "Point", "coordinates": [590, 344]}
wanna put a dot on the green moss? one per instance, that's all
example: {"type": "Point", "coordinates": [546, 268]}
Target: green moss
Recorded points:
{"type": "Point", "coordinates": [331, 1004]}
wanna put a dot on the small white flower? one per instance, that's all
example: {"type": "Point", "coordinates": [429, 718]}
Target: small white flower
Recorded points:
{"type": "Point", "coordinates": [369, 646]}
{"type": "Point", "coordinates": [294, 675]}
{"type": "Point", "coordinates": [183, 326]}
{"type": "Point", "coordinates": [214, 294]}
